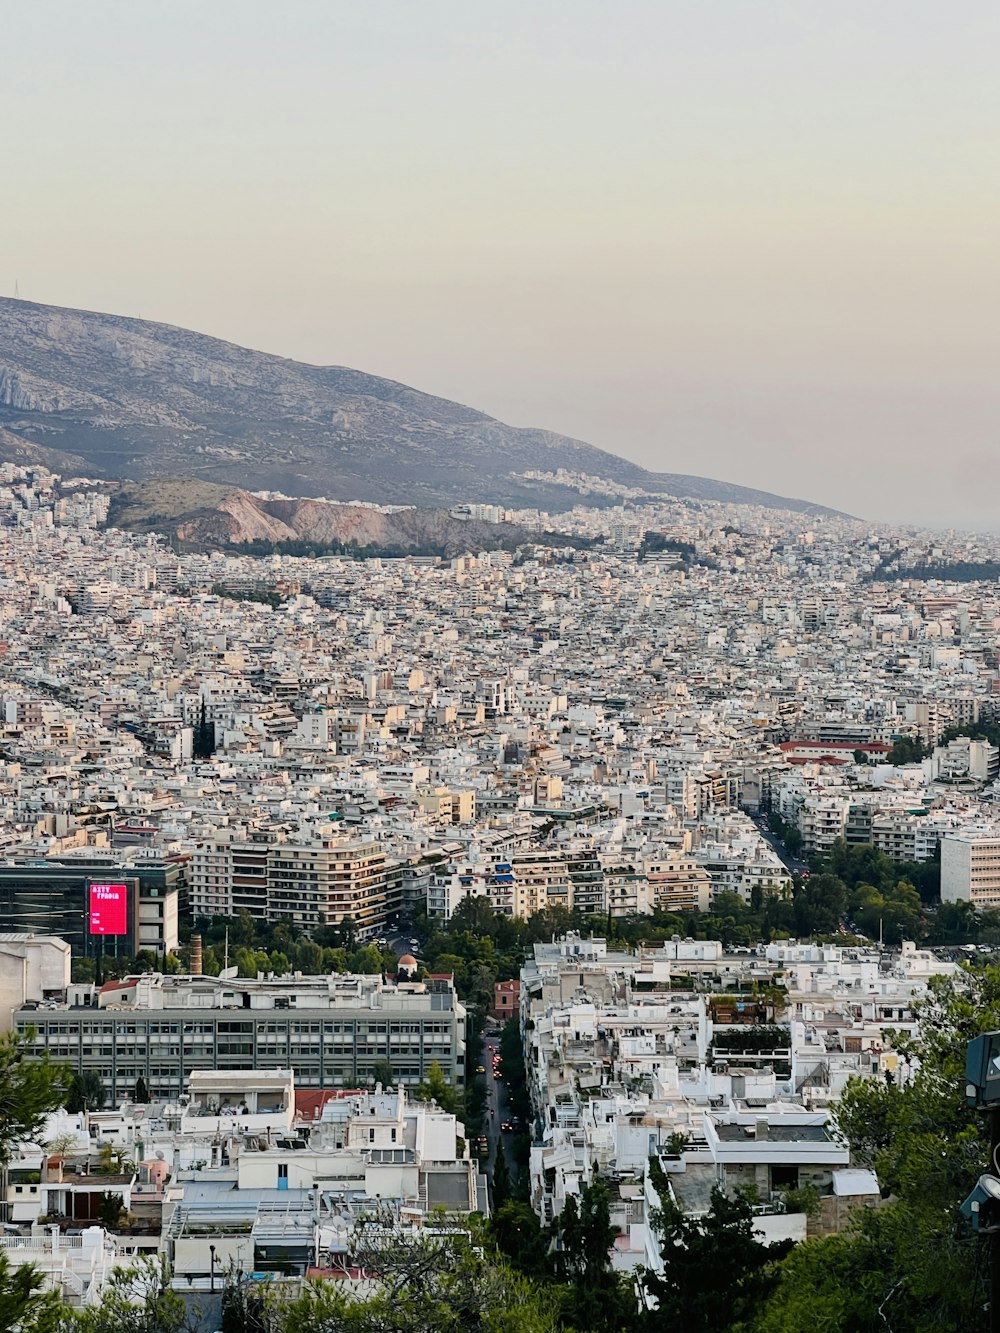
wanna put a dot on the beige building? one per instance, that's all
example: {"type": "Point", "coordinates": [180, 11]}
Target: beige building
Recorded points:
{"type": "Point", "coordinates": [310, 881]}
{"type": "Point", "coordinates": [970, 867]}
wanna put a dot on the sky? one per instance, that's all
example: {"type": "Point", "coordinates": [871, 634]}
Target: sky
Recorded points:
{"type": "Point", "coordinates": [749, 240]}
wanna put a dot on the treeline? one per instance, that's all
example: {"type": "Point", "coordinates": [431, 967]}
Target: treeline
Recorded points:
{"type": "Point", "coordinates": [266, 596]}
{"type": "Point", "coordinates": [655, 542]}
{"type": "Point", "coordinates": [962, 571]}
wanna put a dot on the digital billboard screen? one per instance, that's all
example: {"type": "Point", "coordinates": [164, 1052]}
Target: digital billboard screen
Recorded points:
{"type": "Point", "coordinates": [109, 909]}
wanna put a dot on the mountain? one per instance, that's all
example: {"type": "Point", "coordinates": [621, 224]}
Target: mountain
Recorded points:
{"type": "Point", "coordinates": [205, 514]}
{"type": "Point", "coordinates": [117, 397]}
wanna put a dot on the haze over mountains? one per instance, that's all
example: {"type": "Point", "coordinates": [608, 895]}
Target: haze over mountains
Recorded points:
{"type": "Point", "coordinates": [128, 398]}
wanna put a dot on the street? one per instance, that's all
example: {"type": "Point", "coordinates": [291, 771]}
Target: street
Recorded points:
{"type": "Point", "coordinates": [791, 863]}
{"type": "Point", "coordinates": [498, 1108]}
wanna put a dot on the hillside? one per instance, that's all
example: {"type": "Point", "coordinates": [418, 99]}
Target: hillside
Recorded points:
{"type": "Point", "coordinates": [202, 514]}
{"type": "Point", "coordinates": [117, 397]}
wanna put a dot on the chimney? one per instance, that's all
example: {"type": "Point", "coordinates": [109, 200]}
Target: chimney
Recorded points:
{"type": "Point", "coordinates": [763, 1130]}
{"type": "Point", "coordinates": [196, 960]}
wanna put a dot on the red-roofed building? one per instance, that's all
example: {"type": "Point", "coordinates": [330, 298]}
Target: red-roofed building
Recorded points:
{"type": "Point", "coordinates": [828, 752]}
{"type": "Point", "coordinates": [309, 1102]}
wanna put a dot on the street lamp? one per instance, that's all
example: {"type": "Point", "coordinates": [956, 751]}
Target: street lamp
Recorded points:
{"type": "Point", "coordinates": [211, 1251]}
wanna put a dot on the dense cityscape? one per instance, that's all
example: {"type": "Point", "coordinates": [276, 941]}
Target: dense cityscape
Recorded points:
{"type": "Point", "coordinates": [542, 915]}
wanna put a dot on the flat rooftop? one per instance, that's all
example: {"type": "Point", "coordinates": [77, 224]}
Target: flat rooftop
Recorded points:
{"type": "Point", "coordinates": [776, 1133]}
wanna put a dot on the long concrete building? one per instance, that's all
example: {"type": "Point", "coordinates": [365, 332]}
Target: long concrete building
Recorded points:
{"type": "Point", "coordinates": [334, 1031]}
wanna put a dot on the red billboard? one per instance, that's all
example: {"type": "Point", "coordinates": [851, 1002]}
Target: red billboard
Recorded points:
{"type": "Point", "coordinates": [109, 909]}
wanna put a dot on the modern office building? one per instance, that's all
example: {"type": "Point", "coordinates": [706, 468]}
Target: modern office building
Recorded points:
{"type": "Point", "coordinates": [53, 897]}
{"type": "Point", "coordinates": [334, 1031]}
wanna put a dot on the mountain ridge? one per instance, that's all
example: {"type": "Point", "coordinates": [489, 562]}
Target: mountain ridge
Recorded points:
{"type": "Point", "coordinates": [120, 397]}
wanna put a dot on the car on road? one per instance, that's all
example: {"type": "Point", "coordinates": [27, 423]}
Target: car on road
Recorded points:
{"type": "Point", "coordinates": [497, 1075]}
{"type": "Point", "coordinates": [507, 1127]}
{"type": "Point", "coordinates": [480, 1069]}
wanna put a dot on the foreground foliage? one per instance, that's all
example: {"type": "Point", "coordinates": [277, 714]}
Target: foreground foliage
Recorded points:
{"type": "Point", "coordinates": [912, 1265]}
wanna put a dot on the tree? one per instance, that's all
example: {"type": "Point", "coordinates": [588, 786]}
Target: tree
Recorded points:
{"type": "Point", "coordinates": [366, 960]}
{"type": "Point", "coordinates": [137, 1300]}
{"type": "Point", "coordinates": [61, 1144]}
{"type": "Point", "coordinates": [501, 1178]}
{"type": "Point", "coordinates": [477, 914]}
{"type": "Point", "coordinates": [25, 1305]}
{"type": "Point", "coordinates": [86, 1092]}
{"type": "Point", "coordinates": [382, 1072]}
{"type": "Point", "coordinates": [111, 1209]}
{"type": "Point", "coordinates": [596, 1297]}
{"type": "Point", "coordinates": [434, 1282]}
{"type": "Point", "coordinates": [140, 1093]}
{"type": "Point", "coordinates": [715, 1271]}
{"type": "Point", "coordinates": [912, 1265]}
{"type": "Point", "coordinates": [520, 1238]}
{"type": "Point", "coordinates": [245, 1307]}
{"type": "Point", "coordinates": [906, 750]}
{"type": "Point", "coordinates": [203, 741]}
{"type": "Point", "coordinates": [436, 1088]}
{"type": "Point", "coordinates": [819, 905]}
{"type": "Point", "coordinates": [30, 1089]}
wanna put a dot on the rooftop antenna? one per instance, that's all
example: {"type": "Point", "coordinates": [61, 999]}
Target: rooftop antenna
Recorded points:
{"type": "Point", "coordinates": [226, 958]}
{"type": "Point", "coordinates": [17, 290]}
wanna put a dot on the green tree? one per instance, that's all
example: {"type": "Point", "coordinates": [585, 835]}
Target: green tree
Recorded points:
{"type": "Point", "coordinates": [25, 1305]}
{"type": "Point", "coordinates": [435, 1283]}
{"type": "Point", "coordinates": [86, 1092]}
{"type": "Point", "coordinates": [501, 1178]}
{"type": "Point", "coordinates": [245, 1307]}
{"type": "Point", "coordinates": [137, 1300]}
{"type": "Point", "coordinates": [112, 1207]}
{"type": "Point", "coordinates": [140, 1093]}
{"type": "Point", "coordinates": [912, 1265]}
{"type": "Point", "coordinates": [819, 905]}
{"type": "Point", "coordinates": [715, 1271]}
{"type": "Point", "coordinates": [906, 750]}
{"type": "Point", "coordinates": [521, 1238]}
{"type": "Point", "coordinates": [596, 1297]}
{"type": "Point", "coordinates": [30, 1088]}
{"type": "Point", "coordinates": [382, 1072]}
{"type": "Point", "coordinates": [367, 960]}
{"type": "Point", "coordinates": [436, 1088]}
{"type": "Point", "coordinates": [477, 915]}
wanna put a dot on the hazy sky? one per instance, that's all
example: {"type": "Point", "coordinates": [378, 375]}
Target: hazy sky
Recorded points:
{"type": "Point", "coordinates": [750, 240]}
